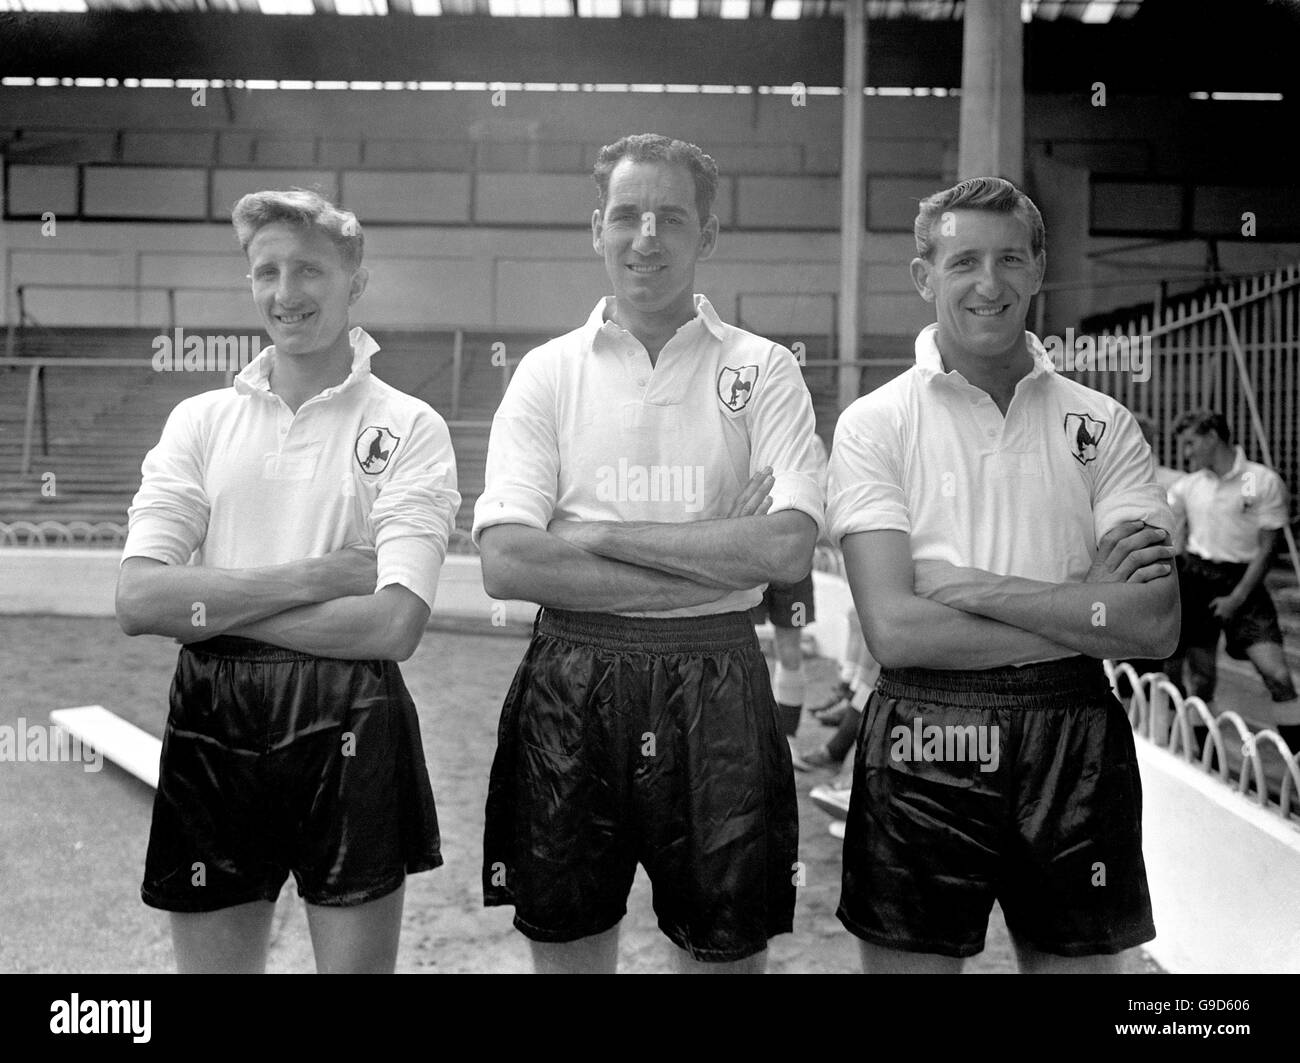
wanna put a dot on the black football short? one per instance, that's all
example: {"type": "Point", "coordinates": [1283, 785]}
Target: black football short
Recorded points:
{"type": "Point", "coordinates": [786, 604]}
{"type": "Point", "coordinates": [626, 740]}
{"type": "Point", "coordinates": [1014, 784]}
{"type": "Point", "coordinates": [1199, 583]}
{"type": "Point", "coordinates": [277, 762]}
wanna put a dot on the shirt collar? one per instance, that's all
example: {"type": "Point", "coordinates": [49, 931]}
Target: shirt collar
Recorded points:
{"type": "Point", "coordinates": [705, 316]}
{"type": "Point", "coordinates": [929, 362]}
{"type": "Point", "coordinates": [256, 376]}
{"type": "Point", "coordinates": [1238, 465]}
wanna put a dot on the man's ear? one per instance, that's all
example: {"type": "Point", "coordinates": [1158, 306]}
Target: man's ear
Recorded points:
{"type": "Point", "coordinates": [1040, 263]}
{"type": "Point", "coordinates": [597, 231]}
{"type": "Point", "coordinates": [708, 238]}
{"type": "Point", "coordinates": [921, 278]}
{"type": "Point", "coordinates": [360, 278]}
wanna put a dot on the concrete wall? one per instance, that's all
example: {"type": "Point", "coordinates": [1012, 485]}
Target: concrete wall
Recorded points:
{"type": "Point", "coordinates": [1224, 874]}
{"type": "Point", "coordinates": [478, 214]}
{"type": "Point", "coordinates": [436, 277]}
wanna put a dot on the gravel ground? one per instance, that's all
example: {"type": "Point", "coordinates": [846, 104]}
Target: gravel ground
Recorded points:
{"type": "Point", "coordinates": [72, 842]}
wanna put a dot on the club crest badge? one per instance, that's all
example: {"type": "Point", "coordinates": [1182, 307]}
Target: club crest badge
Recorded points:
{"type": "Point", "coordinates": [1083, 434]}
{"type": "Point", "coordinates": [374, 449]}
{"type": "Point", "coordinates": [736, 386]}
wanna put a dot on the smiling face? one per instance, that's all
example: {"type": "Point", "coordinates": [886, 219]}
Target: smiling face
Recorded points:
{"type": "Point", "coordinates": [302, 287]}
{"type": "Point", "coordinates": [650, 235]}
{"type": "Point", "coordinates": [981, 279]}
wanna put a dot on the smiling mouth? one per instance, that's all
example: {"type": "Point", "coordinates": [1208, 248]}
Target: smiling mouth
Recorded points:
{"type": "Point", "coordinates": [645, 269]}
{"type": "Point", "coordinates": [293, 319]}
{"type": "Point", "coordinates": [989, 311]}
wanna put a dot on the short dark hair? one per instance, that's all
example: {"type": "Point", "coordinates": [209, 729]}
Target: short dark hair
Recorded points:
{"type": "Point", "coordinates": [1147, 427]}
{"type": "Point", "coordinates": [651, 147]}
{"type": "Point", "coordinates": [978, 193]}
{"type": "Point", "coordinates": [1202, 422]}
{"type": "Point", "coordinates": [304, 209]}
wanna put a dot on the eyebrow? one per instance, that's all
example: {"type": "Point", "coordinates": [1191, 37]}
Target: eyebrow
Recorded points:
{"type": "Point", "coordinates": [1020, 250]}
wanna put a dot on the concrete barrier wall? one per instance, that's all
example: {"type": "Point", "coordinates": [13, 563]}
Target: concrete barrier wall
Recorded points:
{"type": "Point", "coordinates": [1224, 873]}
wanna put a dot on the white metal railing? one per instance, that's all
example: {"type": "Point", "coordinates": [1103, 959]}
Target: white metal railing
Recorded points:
{"type": "Point", "coordinates": [1159, 713]}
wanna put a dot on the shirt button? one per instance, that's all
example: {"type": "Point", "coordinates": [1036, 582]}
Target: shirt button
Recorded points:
{"type": "Point", "coordinates": [992, 433]}
{"type": "Point", "coordinates": [641, 382]}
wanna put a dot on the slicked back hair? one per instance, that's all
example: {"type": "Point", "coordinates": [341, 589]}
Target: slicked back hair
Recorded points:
{"type": "Point", "coordinates": [1203, 422]}
{"type": "Point", "coordinates": [993, 194]}
{"type": "Point", "coordinates": [651, 147]}
{"type": "Point", "coordinates": [304, 209]}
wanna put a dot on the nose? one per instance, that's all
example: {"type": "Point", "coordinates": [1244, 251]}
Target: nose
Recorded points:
{"type": "Point", "coordinates": [988, 281]}
{"type": "Point", "coordinates": [286, 287]}
{"type": "Point", "coordinates": [647, 238]}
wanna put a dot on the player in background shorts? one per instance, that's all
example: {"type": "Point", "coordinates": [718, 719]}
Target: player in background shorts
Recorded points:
{"type": "Point", "coordinates": [1234, 509]}
{"type": "Point", "coordinates": [791, 608]}
{"type": "Point", "coordinates": [289, 531]}
{"type": "Point", "coordinates": [647, 473]}
{"type": "Point", "coordinates": [1002, 531]}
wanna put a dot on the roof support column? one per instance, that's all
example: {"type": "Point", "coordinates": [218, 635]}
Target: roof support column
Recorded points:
{"type": "Point", "coordinates": [992, 138]}
{"type": "Point", "coordinates": [852, 200]}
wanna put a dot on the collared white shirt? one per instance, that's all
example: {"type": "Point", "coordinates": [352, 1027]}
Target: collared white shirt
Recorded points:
{"type": "Point", "coordinates": [1225, 514]}
{"type": "Point", "coordinates": [588, 430]}
{"type": "Point", "coordinates": [238, 480]}
{"type": "Point", "coordinates": [1026, 495]}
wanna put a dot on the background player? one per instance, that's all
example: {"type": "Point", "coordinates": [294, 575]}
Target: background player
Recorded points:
{"type": "Point", "coordinates": [1233, 509]}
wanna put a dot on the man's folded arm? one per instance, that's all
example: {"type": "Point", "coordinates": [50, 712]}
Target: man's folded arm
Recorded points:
{"type": "Point", "coordinates": [385, 625]}
{"type": "Point", "coordinates": [190, 603]}
{"type": "Point", "coordinates": [529, 564]}
{"type": "Point", "coordinates": [730, 552]}
{"type": "Point", "coordinates": [904, 630]}
{"type": "Point", "coordinates": [1096, 619]}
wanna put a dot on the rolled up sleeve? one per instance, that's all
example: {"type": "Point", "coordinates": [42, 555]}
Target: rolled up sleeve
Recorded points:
{"type": "Point", "coordinates": [865, 485]}
{"type": "Point", "coordinates": [415, 510]}
{"type": "Point", "coordinates": [1126, 487]}
{"type": "Point", "coordinates": [781, 436]}
{"type": "Point", "coordinates": [521, 482]}
{"type": "Point", "coordinates": [168, 518]}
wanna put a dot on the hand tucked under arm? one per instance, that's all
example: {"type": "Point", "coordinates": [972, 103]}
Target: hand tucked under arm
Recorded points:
{"type": "Point", "coordinates": [384, 626]}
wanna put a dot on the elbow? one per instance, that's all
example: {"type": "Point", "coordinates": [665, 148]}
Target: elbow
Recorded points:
{"type": "Point", "coordinates": [406, 631]}
{"type": "Point", "coordinates": [126, 607]}
{"type": "Point", "coordinates": [1161, 638]}
{"type": "Point", "coordinates": [794, 557]}
{"type": "Point", "coordinates": [885, 643]}
{"type": "Point", "coordinates": [496, 574]}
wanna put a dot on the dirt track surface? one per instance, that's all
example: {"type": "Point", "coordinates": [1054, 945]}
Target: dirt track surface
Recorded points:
{"type": "Point", "coordinates": [72, 842]}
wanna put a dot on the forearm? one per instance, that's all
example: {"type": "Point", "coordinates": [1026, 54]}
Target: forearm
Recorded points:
{"type": "Point", "coordinates": [356, 628]}
{"type": "Point", "coordinates": [1096, 619]}
{"type": "Point", "coordinates": [1253, 576]}
{"type": "Point", "coordinates": [913, 632]}
{"type": "Point", "coordinates": [734, 552]}
{"type": "Point", "coordinates": [190, 603]}
{"type": "Point", "coordinates": [531, 565]}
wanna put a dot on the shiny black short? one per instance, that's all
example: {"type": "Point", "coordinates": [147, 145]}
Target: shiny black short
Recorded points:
{"type": "Point", "coordinates": [1199, 583]}
{"type": "Point", "coordinates": [626, 740]}
{"type": "Point", "coordinates": [277, 762]}
{"type": "Point", "coordinates": [1052, 829]}
{"type": "Point", "coordinates": [786, 604]}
